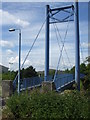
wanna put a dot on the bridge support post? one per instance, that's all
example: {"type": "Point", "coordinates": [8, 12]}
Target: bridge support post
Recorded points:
{"type": "Point", "coordinates": [47, 44]}
{"type": "Point", "coordinates": [77, 56]}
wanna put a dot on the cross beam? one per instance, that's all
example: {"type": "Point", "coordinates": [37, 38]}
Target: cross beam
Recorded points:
{"type": "Point", "coordinates": [62, 8]}
{"type": "Point", "coordinates": [61, 21]}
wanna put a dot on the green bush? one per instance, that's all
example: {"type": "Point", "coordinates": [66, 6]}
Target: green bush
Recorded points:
{"type": "Point", "coordinates": [9, 75]}
{"type": "Point", "coordinates": [49, 106]}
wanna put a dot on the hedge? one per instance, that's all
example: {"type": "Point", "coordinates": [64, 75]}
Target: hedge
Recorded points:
{"type": "Point", "coordinates": [49, 105]}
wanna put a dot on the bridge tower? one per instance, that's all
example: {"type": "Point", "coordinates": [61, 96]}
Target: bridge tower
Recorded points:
{"type": "Point", "coordinates": [47, 44]}
{"type": "Point", "coordinates": [77, 57]}
{"type": "Point", "coordinates": [77, 51]}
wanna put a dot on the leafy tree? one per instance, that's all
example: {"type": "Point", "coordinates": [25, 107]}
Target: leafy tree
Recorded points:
{"type": "Point", "coordinates": [67, 70]}
{"type": "Point", "coordinates": [86, 70]}
{"type": "Point", "coordinates": [72, 70]}
{"type": "Point", "coordinates": [28, 72]}
{"type": "Point", "coordinates": [25, 73]}
{"type": "Point", "coordinates": [8, 76]}
{"type": "Point", "coordinates": [88, 59]}
{"type": "Point", "coordinates": [51, 72]}
{"type": "Point", "coordinates": [83, 68]}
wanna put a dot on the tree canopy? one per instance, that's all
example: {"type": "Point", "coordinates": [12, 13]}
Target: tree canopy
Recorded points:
{"type": "Point", "coordinates": [28, 72]}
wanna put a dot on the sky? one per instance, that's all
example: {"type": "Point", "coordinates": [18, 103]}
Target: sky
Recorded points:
{"type": "Point", "coordinates": [44, 0]}
{"type": "Point", "coordinates": [29, 17]}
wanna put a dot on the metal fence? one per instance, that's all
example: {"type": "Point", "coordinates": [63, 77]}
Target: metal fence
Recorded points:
{"type": "Point", "coordinates": [60, 81]}
{"type": "Point", "coordinates": [31, 82]}
{"type": "Point", "coordinates": [49, 78]}
{"type": "Point", "coordinates": [63, 79]}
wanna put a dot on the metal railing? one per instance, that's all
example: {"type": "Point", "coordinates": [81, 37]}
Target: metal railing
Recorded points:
{"type": "Point", "coordinates": [30, 82]}
{"type": "Point", "coordinates": [60, 81]}
{"type": "Point", "coordinates": [63, 79]}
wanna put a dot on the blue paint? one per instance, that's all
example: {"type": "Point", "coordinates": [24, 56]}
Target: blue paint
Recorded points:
{"type": "Point", "coordinates": [47, 44]}
{"type": "Point", "coordinates": [61, 81]}
{"type": "Point", "coordinates": [19, 61]}
{"type": "Point", "coordinates": [31, 82]}
{"type": "Point", "coordinates": [77, 52]}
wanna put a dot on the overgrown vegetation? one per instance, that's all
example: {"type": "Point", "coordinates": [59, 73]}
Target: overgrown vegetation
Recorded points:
{"type": "Point", "coordinates": [25, 73]}
{"type": "Point", "coordinates": [28, 72]}
{"type": "Point", "coordinates": [67, 105]}
{"type": "Point", "coordinates": [9, 75]}
{"type": "Point", "coordinates": [70, 105]}
{"type": "Point", "coordinates": [86, 70]}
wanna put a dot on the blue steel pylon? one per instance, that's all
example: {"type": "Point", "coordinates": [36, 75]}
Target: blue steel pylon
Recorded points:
{"type": "Point", "coordinates": [77, 59]}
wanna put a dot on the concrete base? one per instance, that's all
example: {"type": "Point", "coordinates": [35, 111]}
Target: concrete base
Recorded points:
{"type": "Point", "coordinates": [7, 88]}
{"type": "Point", "coordinates": [48, 86]}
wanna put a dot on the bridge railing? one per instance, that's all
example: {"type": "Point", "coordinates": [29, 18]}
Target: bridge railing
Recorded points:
{"type": "Point", "coordinates": [60, 81]}
{"type": "Point", "coordinates": [49, 78]}
{"type": "Point", "coordinates": [63, 79]}
{"type": "Point", "coordinates": [31, 82]}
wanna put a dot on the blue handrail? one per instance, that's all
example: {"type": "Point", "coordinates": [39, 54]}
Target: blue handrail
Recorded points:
{"type": "Point", "coordinates": [61, 80]}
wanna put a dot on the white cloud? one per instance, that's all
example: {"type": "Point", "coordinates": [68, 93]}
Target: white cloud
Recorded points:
{"type": "Point", "coordinates": [9, 52]}
{"type": "Point", "coordinates": [27, 62]}
{"type": "Point", "coordinates": [28, 39]}
{"type": "Point", "coordinates": [14, 59]}
{"type": "Point", "coordinates": [37, 56]}
{"type": "Point", "coordinates": [8, 18]}
{"type": "Point", "coordinates": [6, 44]}
{"type": "Point", "coordinates": [85, 45]}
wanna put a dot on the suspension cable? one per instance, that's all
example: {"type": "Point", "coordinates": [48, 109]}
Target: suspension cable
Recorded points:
{"type": "Point", "coordinates": [32, 45]}
{"type": "Point", "coordinates": [61, 51]}
{"type": "Point", "coordinates": [64, 46]}
{"type": "Point", "coordinates": [58, 43]}
{"type": "Point", "coordinates": [55, 26]}
{"type": "Point", "coordinates": [81, 53]}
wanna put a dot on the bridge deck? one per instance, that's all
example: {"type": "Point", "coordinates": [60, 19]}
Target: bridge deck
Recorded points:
{"type": "Point", "coordinates": [61, 81]}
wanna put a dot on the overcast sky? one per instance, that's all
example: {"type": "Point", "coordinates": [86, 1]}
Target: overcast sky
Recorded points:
{"type": "Point", "coordinates": [29, 18]}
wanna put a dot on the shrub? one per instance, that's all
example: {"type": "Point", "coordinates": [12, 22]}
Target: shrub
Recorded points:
{"type": "Point", "coordinates": [49, 105]}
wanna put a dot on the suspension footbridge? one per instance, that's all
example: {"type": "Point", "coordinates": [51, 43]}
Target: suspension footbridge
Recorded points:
{"type": "Point", "coordinates": [61, 80]}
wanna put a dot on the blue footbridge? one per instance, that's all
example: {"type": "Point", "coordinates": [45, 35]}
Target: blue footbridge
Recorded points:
{"type": "Point", "coordinates": [61, 81]}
